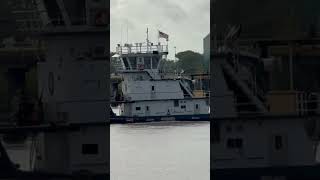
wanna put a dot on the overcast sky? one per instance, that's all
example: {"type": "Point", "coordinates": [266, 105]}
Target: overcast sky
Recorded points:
{"type": "Point", "coordinates": [185, 21]}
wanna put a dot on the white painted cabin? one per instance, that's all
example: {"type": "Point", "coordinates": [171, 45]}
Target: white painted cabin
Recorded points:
{"type": "Point", "coordinates": [146, 93]}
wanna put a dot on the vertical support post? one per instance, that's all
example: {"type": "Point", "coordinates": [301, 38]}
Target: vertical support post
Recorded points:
{"type": "Point", "coordinates": [147, 39]}
{"type": "Point", "coordinates": [175, 54]}
{"type": "Point", "coordinates": [291, 65]}
{"type": "Point", "coordinates": [65, 16]}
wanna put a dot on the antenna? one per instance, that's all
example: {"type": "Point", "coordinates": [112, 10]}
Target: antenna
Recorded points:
{"type": "Point", "coordinates": [158, 37]}
{"type": "Point", "coordinates": [127, 32]}
{"type": "Point", "coordinates": [148, 36]}
{"type": "Point", "coordinates": [147, 39]}
{"type": "Point", "coordinates": [121, 34]}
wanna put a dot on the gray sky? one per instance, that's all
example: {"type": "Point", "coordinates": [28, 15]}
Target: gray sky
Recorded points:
{"type": "Point", "coordinates": [186, 22]}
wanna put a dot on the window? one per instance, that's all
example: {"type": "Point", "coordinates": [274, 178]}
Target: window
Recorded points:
{"type": "Point", "coordinates": [228, 128]}
{"type": "Point", "coordinates": [147, 108]}
{"type": "Point", "coordinates": [197, 106]}
{"type": "Point", "coordinates": [239, 128]}
{"type": "Point", "coordinates": [183, 107]}
{"type": "Point", "coordinates": [155, 61]}
{"type": "Point", "coordinates": [63, 116]}
{"type": "Point", "coordinates": [238, 143]}
{"type": "Point", "coordinates": [140, 60]}
{"type": "Point", "coordinates": [207, 101]}
{"type": "Point", "coordinates": [230, 143]}
{"type": "Point", "coordinates": [176, 103]}
{"type": "Point", "coordinates": [126, 63]}
{"type": "Point", "coordinates": [133, 62]}
{"type": "Point", "coordinates": [89, 149]}
{"type": "Point", "coordinates": [278, 142]}
{"type": "Point", "coordinates": [147, 62]}
{"type": "Point", "coordinates": [138, 108]}
{"type": "Point", "coordinates": [152, 88]}
{"type": "Point", "coordinates": [234, 143]}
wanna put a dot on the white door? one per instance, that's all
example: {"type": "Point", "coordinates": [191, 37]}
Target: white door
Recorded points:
{"type": "Point", "coordinates": [147, 112]}
{"type": "Point", "coordinates": [153, 92]}
{"type": "Point", "coordinates": [197, 109]}
{"type": "Point", "coordinates": [278, 149]}
{"type": "Point", "coordinates": [128, 109]}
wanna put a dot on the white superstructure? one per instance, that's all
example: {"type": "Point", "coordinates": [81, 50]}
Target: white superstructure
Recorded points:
{"type": "Point", "coordinates": [145, 92]}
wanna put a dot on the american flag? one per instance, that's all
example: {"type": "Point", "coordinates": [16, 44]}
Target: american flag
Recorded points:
{"type": "Point", "coordinates": [163, 35]}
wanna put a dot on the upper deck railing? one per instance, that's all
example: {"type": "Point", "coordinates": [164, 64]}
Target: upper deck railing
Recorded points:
{"type": "Point", "coordinates": [140, 48]}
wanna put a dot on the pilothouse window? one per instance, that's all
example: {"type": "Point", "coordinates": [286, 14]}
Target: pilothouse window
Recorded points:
{"type": "Point", "coordinates": [234, 143]}
{"type": "Point", "coordinates": [155, 61]}
{"type": "Point", "coordinates": [147, 62]}
{"type": "Point", "coordinates": [278, 142]}
{"type": "Point", "coordinates": [176, 103]}
{"type": "Point", "coordinates": [133, 62]}
{"type": "Point", "coordinates": [126, 63]}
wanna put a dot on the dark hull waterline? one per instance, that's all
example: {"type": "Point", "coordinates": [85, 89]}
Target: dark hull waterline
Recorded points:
{"type": "Point", "coordinates": [129, 119]}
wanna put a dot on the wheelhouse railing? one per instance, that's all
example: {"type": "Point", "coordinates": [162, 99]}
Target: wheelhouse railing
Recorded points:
{"type": "Point", "coordinates": [140, 48]}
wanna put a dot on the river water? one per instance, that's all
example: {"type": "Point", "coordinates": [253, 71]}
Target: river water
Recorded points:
{"type": "Point", "coordinates": [160, 151]}
{"type": "Point", "coordinates": [151, 151]}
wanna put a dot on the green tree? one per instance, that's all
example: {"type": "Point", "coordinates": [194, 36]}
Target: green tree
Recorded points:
{"type": "Point", "coordinates": [167, 66]}
{"type": "Point", "coordinates": [191, 62]}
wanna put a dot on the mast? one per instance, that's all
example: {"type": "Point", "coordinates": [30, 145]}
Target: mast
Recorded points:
{"type": "Point", "coordinates": [147, 39]}
{"type": "Point", "coordinates": [127, 32]}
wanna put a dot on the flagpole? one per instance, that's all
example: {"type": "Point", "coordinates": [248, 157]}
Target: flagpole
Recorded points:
{"type": "Point", "coordinates": [147, 39]}
{"type": "Point", "coordinates": [147, 36]}
{"type": "Point", "coordinates": [167, 44]}
{"type": "Point", "coordinates": [158, 37]}
{"type": "Point", "coordinates": [127, 32]}
{"type": "Point", "coordinates": [121, 34]}
{"type": "Point", "coordinates": [175, 54]}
